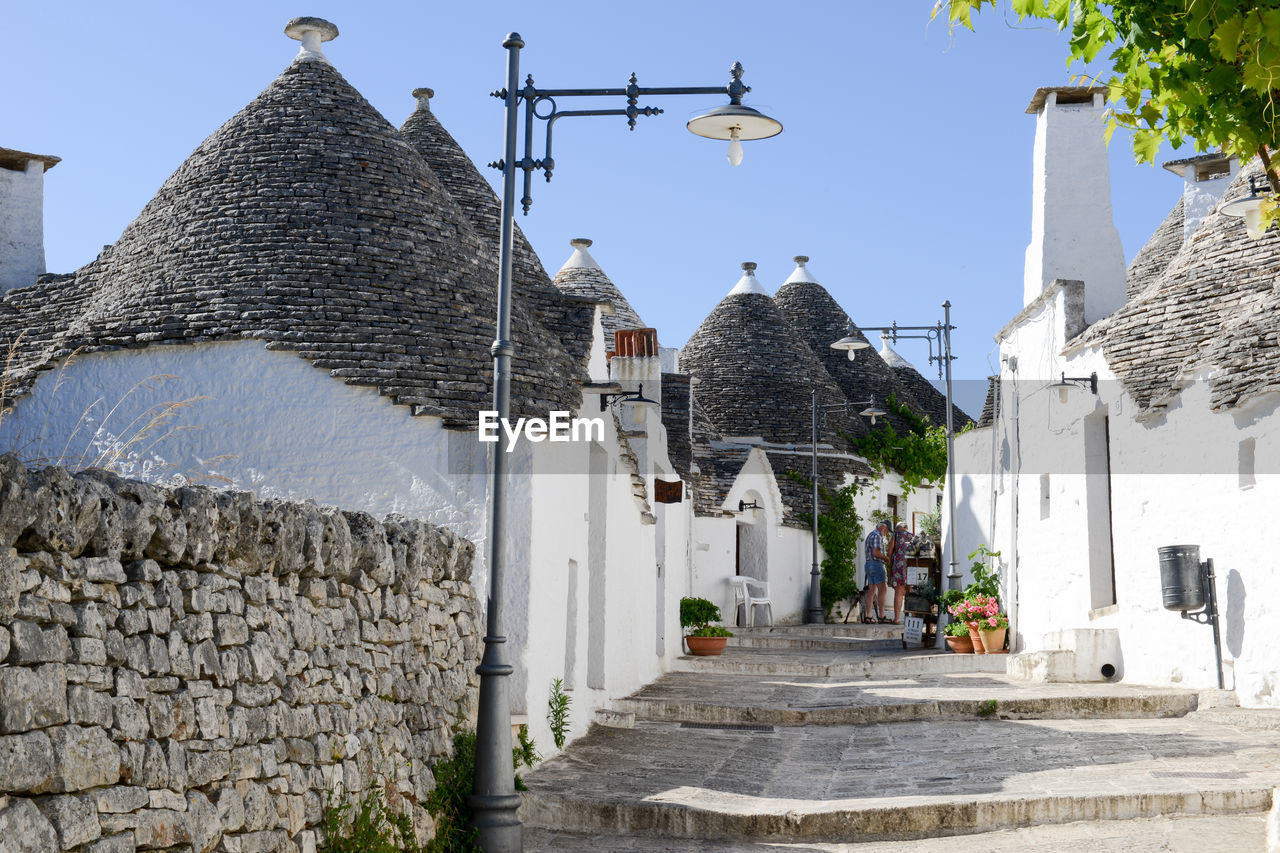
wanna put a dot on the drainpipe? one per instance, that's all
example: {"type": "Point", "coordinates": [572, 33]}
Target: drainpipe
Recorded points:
{"type": "Point", "coordinates": [1015, 471]}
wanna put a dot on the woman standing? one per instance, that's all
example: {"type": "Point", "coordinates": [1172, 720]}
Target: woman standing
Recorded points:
{"type": "Point", "coordinates": [898, 575]}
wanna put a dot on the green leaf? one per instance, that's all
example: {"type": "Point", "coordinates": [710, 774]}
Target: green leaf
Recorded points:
{"type": "Point", "coordinates": [1146, 144]}
{"type": "Point", "coordinates": [1226, 39]}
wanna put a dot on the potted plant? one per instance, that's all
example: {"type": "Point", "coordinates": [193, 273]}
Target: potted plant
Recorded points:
{"type": "Point", "coordinates": [702, 638]}
{"type": "Point", "coordinates": [978, 611]}
{"type": "Point", "coordinates": [992, 629]}
{"type": "Point", "coordinates": [957, 634]}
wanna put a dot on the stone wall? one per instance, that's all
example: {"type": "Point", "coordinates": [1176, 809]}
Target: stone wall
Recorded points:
{"type": "Point", "coordinates": [196, 669]}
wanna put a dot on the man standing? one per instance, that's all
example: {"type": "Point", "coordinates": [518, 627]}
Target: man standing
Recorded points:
{"type": "Point", "coordinates": [877, 548]}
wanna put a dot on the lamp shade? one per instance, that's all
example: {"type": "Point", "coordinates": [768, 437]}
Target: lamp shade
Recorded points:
{"type": "Point", "coordinates": [722, 121]}
{"type": "Point", "coordinates": [852, 341]}
{"type": "Point", "coordinates": [641, 400]}
{"type": "Point", "coordinates": [1241, 206]}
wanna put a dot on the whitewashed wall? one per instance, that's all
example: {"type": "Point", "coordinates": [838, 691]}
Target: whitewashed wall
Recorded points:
{"type": "Point", "coordinates": [271, 423]}
{"type": "Point", "coordinates": [1188, 476]}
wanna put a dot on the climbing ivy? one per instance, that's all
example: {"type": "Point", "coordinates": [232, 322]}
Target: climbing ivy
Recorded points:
{"type": "Point", "coordinates": [839, 531]}
{"type": "Point", "coordinates": [918, 455]}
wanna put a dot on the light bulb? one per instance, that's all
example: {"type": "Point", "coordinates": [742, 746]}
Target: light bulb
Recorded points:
{"type": "Point", "coordinates": [850, 353]}
{"type": "Point", "coordinates": [1062, 392]}
{"type": "Point", "coordinates": [1252, 220]}
{"type": "Point", "coordinates": [735, 148]}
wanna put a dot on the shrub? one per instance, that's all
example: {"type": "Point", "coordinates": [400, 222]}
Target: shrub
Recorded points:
{"type": "Point", "coordinates": [696, 616]}
{"type": "Point", "coordinates": [366, 825]}
{"type": "Point", "coordinates": [455, 780]}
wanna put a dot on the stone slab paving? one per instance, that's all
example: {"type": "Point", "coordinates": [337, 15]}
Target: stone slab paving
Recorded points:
{"type": "Point", "coordinates": [898, 780]}
{"type": "Point", "coordinates": [807, 699]}
{"type": "Point", "coordinates": [1179, 834]}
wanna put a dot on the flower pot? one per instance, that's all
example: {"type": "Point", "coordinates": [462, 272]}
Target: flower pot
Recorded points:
{"type": "Point", "coordinates": [960, 645]}
{"type": "Point", "coordinates": [706, 645]}
{"type": "Point", "coordinates": [978, 647]}
{"type": "Point", "coordinates": [993, 640]}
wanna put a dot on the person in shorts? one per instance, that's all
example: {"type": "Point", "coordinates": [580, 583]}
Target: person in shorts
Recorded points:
{"type": "Point", "coordinates": [877, 550]}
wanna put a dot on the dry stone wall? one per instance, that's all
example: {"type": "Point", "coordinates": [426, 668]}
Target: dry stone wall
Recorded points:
{"type": "Point", "coordinates": [194, 669]}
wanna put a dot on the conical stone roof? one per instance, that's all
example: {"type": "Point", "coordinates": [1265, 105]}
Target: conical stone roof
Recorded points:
{"type": "Point", "coordinates": [569, 319]}
{"type": "Point", "coordinates": [754, 375]}
{"type": "Point", "coordinates": [1213, 311]}
{"type": "Point", "coordinates": [582, 276]}
{"type": "Point", "coordinates": [308, 222]}
{"type": "Point", "coordinates": [820, 320]}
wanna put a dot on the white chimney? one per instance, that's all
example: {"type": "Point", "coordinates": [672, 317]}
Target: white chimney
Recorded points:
{"type": "Point", "coordinates": [22, 217]}
{"type": "Point", "coordinates": [1073, 232]}
{"type": "Point", "coordinates": [1205, 178]}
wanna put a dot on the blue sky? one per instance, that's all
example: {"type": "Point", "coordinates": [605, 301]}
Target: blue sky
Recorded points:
{"type": "Point", "coordinates": [904, 171]}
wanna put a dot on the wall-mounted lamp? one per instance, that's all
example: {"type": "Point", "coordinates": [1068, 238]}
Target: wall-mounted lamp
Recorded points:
{"type": "Point", "coordinates": [1066, 383]}
{"type": "Point", "coordinates": [635, 398]}
{"type": "Point", "coordinates": [743, 506]}
{"type": "Point", "coordinates": [1250, 207]}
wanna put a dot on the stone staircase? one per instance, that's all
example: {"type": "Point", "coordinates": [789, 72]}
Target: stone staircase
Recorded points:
{"type": "Point", "coordinates": [808, 736]}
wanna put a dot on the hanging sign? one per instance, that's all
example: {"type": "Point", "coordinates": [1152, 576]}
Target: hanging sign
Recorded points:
{"type": "Point", "coordinates": [668, 492]}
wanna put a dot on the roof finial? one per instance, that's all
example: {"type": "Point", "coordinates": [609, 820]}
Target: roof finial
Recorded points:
{"type": "Point", "coordinates": [581, 258]}
{"type": "Point", "coordinates": [311, 32]}
{"type": "Point", "coordinates": [890, 356]}
{"type": "Point", "coordinates": [800, 275]}
{"type": "Point", "coordinates": [748, 283]}
{"type": "Point", "coordinates": [424, 96]}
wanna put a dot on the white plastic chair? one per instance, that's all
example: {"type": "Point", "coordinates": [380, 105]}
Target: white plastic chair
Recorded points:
{"type": "Point", "coordinates": [742, 595]}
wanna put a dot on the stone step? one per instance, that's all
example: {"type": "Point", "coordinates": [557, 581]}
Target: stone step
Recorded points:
{"type": "Point", "coordinates": [851, 629]}
{"type": "Point", "coordinates": [892, 662]}
{"type": "Point", "coordinates": [734, 698]}
{"type": "Point", "coordinates": [1178, 833]}
{"type": "Point", "coordinates": [896, 781]}
{"type": "Point", "coordinates": [1035, 708]}
{"type": "Point", "coordinates": [744, 640]}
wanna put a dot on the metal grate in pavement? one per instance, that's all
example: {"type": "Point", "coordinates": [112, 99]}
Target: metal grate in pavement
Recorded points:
{"type": "Point", "coordinates": [730, 727]}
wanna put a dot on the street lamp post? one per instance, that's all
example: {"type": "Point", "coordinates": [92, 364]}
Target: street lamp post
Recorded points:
{"type": "Point", "coordinates": [816, 613]}
{"type": "Point", "coordinates": [494, 801]}
{"type": "Point", "coordinates": [939, 334]}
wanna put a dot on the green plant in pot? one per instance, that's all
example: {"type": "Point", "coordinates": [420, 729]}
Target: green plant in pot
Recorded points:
{"type": "Point", "coordinates": [958, 640]}
{"type": "Point", "coordinates": [700, 635]}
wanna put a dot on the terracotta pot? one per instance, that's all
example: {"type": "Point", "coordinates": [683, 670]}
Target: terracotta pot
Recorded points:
{"type": "Point", "coordinates": [978, 647]}
{"type": "Point", "coordinates": [993, 640]}
{"type": "Point", "coordinates": [706, 645]}
{"type": "Point", "coordinates": [960, 645]}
